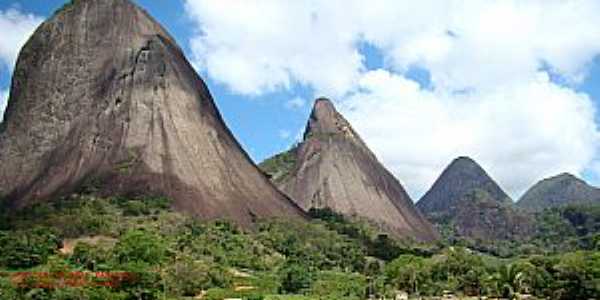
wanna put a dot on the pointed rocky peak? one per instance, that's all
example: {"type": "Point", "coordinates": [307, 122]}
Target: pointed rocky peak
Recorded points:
{"type": "Point", "coordinates": [323, 106]}
{"type": "Point", "coordinates": [325, 120]}
{"type": "Point", "coordinates": [333, 168]}
{"type": "Point", "coordinates": [558, 190]}
{"type": "Point", "coordinates": [461, 177]}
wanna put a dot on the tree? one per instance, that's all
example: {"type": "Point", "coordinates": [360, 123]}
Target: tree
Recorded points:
{"type": "Point", "coordinates": [338, 285]}
{"type": "Point", "coordinates": [138, 246]}
{"type": "Point", "coordinates": [460, 270]}
{"type": "Point", "coordinates": [27, 248]}
{"type": "Point", "coordinates": [188, 277]}
{"type": "Point", "coordinates": [296, 277]}
{"type": "Point", "coordinates": [576, 276]}
{"type": "Point", "coordinates": [91, 257]}
{"type": "Point", "coordinates": [408, 272]}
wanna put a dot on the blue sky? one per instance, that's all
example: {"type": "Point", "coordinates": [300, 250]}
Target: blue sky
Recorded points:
{"type": "Point", "coordinates": [516, 85]}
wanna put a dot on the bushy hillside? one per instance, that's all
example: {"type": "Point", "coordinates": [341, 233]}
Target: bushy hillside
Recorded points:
{"type": "Point", "coordinates": [146, 251]}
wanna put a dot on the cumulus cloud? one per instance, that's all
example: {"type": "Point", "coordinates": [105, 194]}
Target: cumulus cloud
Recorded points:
{"type": "Point", "coordinates": [506, 41]}
{"type": "Point", "coordinates": [16, 27]}
{"type": "Point", "coordinates": [490, 96]}
{"type": "Point", "coordinates": [260, 46]}
{"type": "Point", "coordinates": [519, 134]}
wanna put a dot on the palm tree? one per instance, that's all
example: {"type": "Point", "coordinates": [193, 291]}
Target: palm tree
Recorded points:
{"type": "Point", "coordinates": [520, 277]}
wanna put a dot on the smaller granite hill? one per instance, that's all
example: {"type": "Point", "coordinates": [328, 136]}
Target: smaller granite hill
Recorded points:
{"type": "Point", "coordinates": [461, 177]}
{"type": "Point", "coordinates": [559, 190]}
{"type": "Point", "coordinates": [465, 202]}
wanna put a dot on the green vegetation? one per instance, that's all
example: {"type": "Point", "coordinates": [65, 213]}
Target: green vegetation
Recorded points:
{"type": "Point", "coordinates": [279, 167]}
{"type": "Point", "coordinates": [172, 256]}
{"type": "Point", "coordinates": [568, 227]}
{"type": "Point", "coordinates": [552, 231]}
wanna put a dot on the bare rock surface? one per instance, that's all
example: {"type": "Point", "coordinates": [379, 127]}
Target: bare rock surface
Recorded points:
{"type": "Point", "coordinates": [102, 94]}
{"type": "Point", "coordinates": [334, 168]}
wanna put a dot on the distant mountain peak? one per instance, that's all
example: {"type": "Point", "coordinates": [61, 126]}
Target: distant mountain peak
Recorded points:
{"type": "Point", "coordinates": [468, 200]}
{"type": "Point", "coordinates": [562, 189]}
{"type": "Point", "coordinates": [461, 176]}
{"type": "Point", "coordinates": [326, 122]}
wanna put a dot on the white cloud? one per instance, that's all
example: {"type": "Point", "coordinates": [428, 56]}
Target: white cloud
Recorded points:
{"type": "Point", "coordinates": [295, 103]}
{"type": "Point", "coordinates": [491, 98]}
{"type": "Point", "coordinates": [519, 134]}
{"type": "Point", "coordinates": [3, 103]}
{"type": "Point", "coordinates": [506, 41]}
{"type": "Point", "coordinates": [260, 46]}
{"type": "Point", "coordinates": [16, 27]}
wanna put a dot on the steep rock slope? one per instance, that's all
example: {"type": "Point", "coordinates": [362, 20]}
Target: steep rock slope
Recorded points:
{"type": "Point", "coordinates": [334, 168]}
{"type": "Point", "coordinates": [559, 190]}
{"type": "Point", "coordinates": [102, 94]}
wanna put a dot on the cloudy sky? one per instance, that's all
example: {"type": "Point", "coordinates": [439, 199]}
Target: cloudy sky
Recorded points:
{"type": "Point", "coordinates": [513, 84]}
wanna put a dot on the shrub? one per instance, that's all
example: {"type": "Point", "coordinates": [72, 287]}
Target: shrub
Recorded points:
{"type": "Point", "coordinates": [7, 290]}
{"type": "Point", "coordinates": [135, 208]}
{"type": "Point", "coordinates": [91, 257]}
{"type": "Point", "coordinates": [338, 285]}
{"type": "Point", "coordinates": [188, 277]}
{"type": "Point", "coordinates": [314, 245]}
{"type": "Point", "coordinates": [296, 277]}
{"type": "Point", "coordinates": [27, 248]}
{"type": "Point", "coordinates": [138, 246]}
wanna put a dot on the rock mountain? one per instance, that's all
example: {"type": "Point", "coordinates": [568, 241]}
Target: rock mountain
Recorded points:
{"type": "Point", "coordinates": [559, 190]}
{"type": "Point", "coordinates": [466, 201]}
{"type": "Point", "coordinates": [102, 94]}
{"type": "Point", "coordinates": [334, 168]}
{"type": "Point", "coordinates": [461, 177]}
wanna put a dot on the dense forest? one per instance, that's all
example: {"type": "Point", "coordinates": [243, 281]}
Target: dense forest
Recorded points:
{"type": "Point", "coordinates": [59, 250]}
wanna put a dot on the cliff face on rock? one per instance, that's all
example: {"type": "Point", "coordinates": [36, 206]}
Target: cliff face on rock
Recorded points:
{"type": "Point", "coordinates": [334, 168]}
{"type": "Point", "coordinates": [102, 94]}
{"type": "Point", "coordinates": [559, 190]}
{"type": "Point", "coordinates": [461, 177]}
